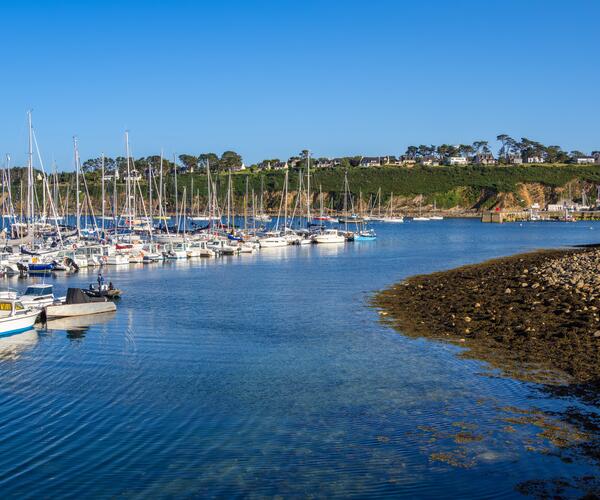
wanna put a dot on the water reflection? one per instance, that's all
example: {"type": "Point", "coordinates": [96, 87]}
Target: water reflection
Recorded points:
{"type": "Point", "coordinates": [12, 346]}
{"type": "Point", "coordinates": [77, 327]}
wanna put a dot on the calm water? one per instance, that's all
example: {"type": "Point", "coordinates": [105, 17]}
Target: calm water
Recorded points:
{"type": "Point", "coordinates": [269, 374]}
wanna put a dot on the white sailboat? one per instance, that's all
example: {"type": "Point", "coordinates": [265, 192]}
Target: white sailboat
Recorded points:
{"type": "Point", "coordinates": [389, 216]}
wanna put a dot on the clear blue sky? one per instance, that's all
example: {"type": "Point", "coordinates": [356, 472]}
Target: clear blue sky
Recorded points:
{"type": "Point", "coordinates": [269, 78]}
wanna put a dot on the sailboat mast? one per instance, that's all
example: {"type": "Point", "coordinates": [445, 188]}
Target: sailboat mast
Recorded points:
{"type": "Point", "coordinates": [77, 202]}
{"type": "Point", "coordinates": [308, 188]}
{"type": "Point", "coordinates": [29, 176]}
{"type": "Point", "coordinates": [128, 184]}
{"type": "Point", "coordinates": [103, 201]}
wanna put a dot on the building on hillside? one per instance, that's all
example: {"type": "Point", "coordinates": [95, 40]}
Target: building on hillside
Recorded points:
{"type": "Point", "coordinates": [485, 159]}
{"type": "Point", "coordinates": [390, 160]}
{"type": "Point", "coordinates": [370, 161]}
{"type": "Point", "coordinates": [585, 160]}
{"type": "Point", "coordinates": [326, 162]}
{"type": "Point", "coordinates": [514, 159]}
{"type": "Point", "coordinates": [457, 160]}
{"type": "Point", "coordinates": [238, 168]}
{"type": "Point", "coordinates": [430, 161]}
{"type": "Point", "coordinates": [407, 162]}
{"type": "Point", "coordinates": [133, 176]}
{"type": "Point", "coordinates": [278, 165]}
{"type": "Point", "coordinates": [115, 175]}
{"type": "Point", "coordinates": [535, 159]}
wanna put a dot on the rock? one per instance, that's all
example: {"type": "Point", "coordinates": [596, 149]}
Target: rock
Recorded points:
{"type": "Point", "coordinates": [467, 319]}
{"type": "Point", "coordinates": [524, 285]}
{"type": "Point", "coordinates": [507, 291]}
{"type": "Point", "coordinates": [597, 334]}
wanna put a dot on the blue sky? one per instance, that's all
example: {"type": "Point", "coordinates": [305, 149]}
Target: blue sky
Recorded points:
{"type": "Point", "coordinates": [269, 78]}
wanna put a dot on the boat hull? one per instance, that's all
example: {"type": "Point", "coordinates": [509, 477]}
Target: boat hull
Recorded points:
{"type": "Point", "coordinates": [71, 310]}
{"type": "Point", "coordinates": [18, 324]}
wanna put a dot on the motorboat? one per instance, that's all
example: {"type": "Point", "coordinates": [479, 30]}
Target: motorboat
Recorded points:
{"type": "Point", "coordinates": [78, 303]}
{"type": "Point", "coordinates": [436, 217]}
{"type": "Point", "coordinates": [117, 259]}
{"type": "Point", "coordinates": [330, 236]}
{"type": "Point", "coordinates": [420, 218]}
{"type": "Point", "coordinates": [15, 317]}
{"type": "Point", "coordinates": [272, 240]}
{"type": "Point", "coordinates": [176, 251]}
{"type": "Point", "coordinates": [365, 235]}
{"type": "Point", "coordinates": [38, 296]}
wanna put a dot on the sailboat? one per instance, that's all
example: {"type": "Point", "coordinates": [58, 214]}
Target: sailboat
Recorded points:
{"type": "Point", "coordinates": [420, 217]}
{"type": "Point", "coordinates": [435, 217]}
{"type": "Point", "coordinates": [389, 216]}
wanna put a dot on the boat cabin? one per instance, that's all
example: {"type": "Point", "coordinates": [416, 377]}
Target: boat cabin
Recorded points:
{"type": "Point", "coordinates": [36, 292]}
{"type": "Point", "coordinates": [11, 308]}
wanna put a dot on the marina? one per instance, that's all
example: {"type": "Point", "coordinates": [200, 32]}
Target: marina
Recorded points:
{"type": "Point", "coordinates": [215, 388]}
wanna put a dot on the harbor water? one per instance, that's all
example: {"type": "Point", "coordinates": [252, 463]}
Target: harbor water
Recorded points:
{"type": "Point", "coordinates": [270, 374]}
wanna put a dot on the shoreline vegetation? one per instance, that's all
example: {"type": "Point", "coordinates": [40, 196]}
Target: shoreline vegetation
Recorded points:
{"type": "Point", "coordinates": [450, 190]}
{"type": "Point", "coordinates": [533, 316]}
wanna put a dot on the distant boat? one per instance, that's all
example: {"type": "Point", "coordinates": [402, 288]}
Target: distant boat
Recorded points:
{"type": "Point", "coordinates": [365, 235]}
{"type": "Point", "coordinates": [330, 236]}
{"type": "Point", "coordinates": [420, 216]}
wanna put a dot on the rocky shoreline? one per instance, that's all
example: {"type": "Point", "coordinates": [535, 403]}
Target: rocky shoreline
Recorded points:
{"type": "Point", "coordinates": [535, 316]}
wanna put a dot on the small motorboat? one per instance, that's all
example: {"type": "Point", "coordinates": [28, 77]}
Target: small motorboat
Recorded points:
{"type": "Point", "coordinates": [40, 267]}
{"type": "Point", "coordinates": [107, 291]}
{"type": "Point", "coordinates": [15, 317]}
{"type": "Point", "coordinates": [365, 235]}
{"type": "Point", "coordinates": [79, 303]}
{"type": "Point", "coordinates": [330, 236]}
{"type": "Point", "coordinates": [38, 296]}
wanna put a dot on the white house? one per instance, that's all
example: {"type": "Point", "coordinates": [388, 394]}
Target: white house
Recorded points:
{"type": "Point", "coordinates": [370, 161]}
{"type": "Point", "coordinates": [586, 160]}
{"type": "Point", "coordinates": [457, 160]}
{"type": "Point", "coordinates": [133, 176]}
{"type": "Point", "coordinates": [535, 159]}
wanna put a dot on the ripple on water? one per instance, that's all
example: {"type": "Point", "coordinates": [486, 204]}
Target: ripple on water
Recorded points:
{"type": "Point", "coordinates": [269, 375]}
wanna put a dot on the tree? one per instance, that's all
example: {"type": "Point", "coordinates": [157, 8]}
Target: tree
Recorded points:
{"type": "Point", "coordinates": [229, 160]}
{"type": "Point", "coordinates": [480, 147]}
{"type": "Point", "coordinates": [465, 150]}
{"type": "Point", "coordinates": [189, 162]}
{"type": "Point", "coordinates": [411, 152]}
{"type": "Point", "coordinates": [505, 149]}
{"type": "Point", "coordinates": [210, 159]}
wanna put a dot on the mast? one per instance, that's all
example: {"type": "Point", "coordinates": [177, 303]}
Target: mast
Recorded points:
{"type": "Point", "coordinates": [308, 188]}
{"type": "Point", "coordinates": [150, 208]}
{"type": "Point", "coordinates": [128, 186]}
{"type": "Point", "coordinates": [246, 206]}
{"type": "Point", "coordinates": [29, 176]}
{"type": "Point", "coordinates": [103, 201]}
{"type": "Point", "coordinates": [176, 195]}
{"type": "Point", "coordinates": [77, 209]}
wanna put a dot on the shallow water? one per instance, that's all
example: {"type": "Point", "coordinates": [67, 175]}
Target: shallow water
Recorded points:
{"type": "Point", "coordinates": [269, 374]}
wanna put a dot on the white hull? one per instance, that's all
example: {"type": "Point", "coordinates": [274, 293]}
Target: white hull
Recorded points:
{"type": "Point", "coordinates": [17, 324]}
{"type": "Point", "coordinates": [329, 239]}
{"type": "Point", "coordinates": [69, 310]}
{"type": "Point", "coordinates": [117, 260]}
{"type": "Point", "coordinates": [273, 242]}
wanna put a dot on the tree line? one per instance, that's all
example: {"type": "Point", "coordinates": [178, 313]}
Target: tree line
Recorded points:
{"type": "Point", "coordinates": [510, 148]}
